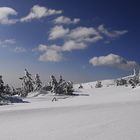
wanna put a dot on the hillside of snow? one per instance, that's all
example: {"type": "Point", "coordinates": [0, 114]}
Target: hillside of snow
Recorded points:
{"type": "Point", "coordinates": [105, 83]}
{"type": "Point", "coordinates": [107, 113]}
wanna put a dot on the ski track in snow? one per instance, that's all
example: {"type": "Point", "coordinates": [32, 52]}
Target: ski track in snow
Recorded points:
{"type": "Point", "coordinates": [111, 113]}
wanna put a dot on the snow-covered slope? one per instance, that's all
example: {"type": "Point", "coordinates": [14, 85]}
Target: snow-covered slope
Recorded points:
{"type": "Point", "coordinates": [108, 113]}
{"type": "Point", "coordinates": [89, 85]}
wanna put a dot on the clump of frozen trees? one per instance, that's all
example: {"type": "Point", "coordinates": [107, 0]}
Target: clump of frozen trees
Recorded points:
{"type": "Point", "coordinates": [4, 89]}
{"type": "Point", "coordinates": [121, 82]}
{"type": "Point", "coordinates": [6, 94]}
{"type": "Point", "coordinates": [133, 80]}
{"type": "Point", "coordinates": [30, 84]}
{"type": "Point", "coordinates": [61, 86]}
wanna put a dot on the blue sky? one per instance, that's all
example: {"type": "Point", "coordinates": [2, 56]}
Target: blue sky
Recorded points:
{"type": "Point", "coordinates": [81, 40]}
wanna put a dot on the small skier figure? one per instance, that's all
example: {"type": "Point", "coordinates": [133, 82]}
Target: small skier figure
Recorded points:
{"type": "Point", "coordinates": [54, 99]}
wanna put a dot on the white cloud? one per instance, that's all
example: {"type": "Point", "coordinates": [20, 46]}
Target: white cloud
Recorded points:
{"type": "Point", "coordinates": [42, 48]}
{"type": "Point", "coordinates": [78, 38]}
{"type": "Point", "coordinates": [11, 45]}
{"type": "Point", "coordinates": [19, 50]}
{"type": "Point", "coordinates": [66, 20]}
{"type": "Point", "coordinates": [54, 53]}
{"type": "Point", "coordinates": [58, 32]}
{"type": "Point", "coordinates": [75, 39]}
{"type": "Point", "coordinates": [86, 34]}
{"type": "Point", "coordinates": [51, 55]}
{"type": "Point", "coordinates": [7, 42]}
{"type": "Point", "coordinates": [111, 34]}
{"type": "Point", "coordinates": [5, 13]}
{"type": "Point", "coordinates": [82, 32]}
{"type": "Point", "coordinates": [72, 45]}
{"type": "Point", "coordinates": [38, 12]}
{"type": "Point", "coordinates": [114, 61]}
{"type": "Point", "coordinates": [79, 34]}
{"type": "Point", "coordinates": [10, 41]}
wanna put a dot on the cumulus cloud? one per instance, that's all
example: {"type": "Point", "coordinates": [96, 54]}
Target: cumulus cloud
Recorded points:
{"type": "Point", "coordinates": [58, 32]}
{"type": "Point", "coordinates": [72, 45]}
{"type": "Point", "coordinates": [54, 53]}
{"type": "Point", "coordinates": [73, 39]}
{"type": "Point", "coordinates": [78, 38]}
{"type": "Point", "coordinates": [5, 13]}
{"type": "Point", "coordinates": [86, 34]}
{"type": "Point", "coordinates": [42, 48]}
{"type": "Point", "coordinates": [66, 20]}
{"type": "Point", "coordinates": [51, 55]}
{"type": "Point", "coordinates": [38, 12]}
{"type": "Point", "coordinates": [114, 61]}
{"type": "Point", "coordinates": [111, 34]}
{"type": "Point", "coordinates": [79, 34]}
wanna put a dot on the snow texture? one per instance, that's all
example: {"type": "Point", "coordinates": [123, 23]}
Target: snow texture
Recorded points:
{"type": "Point", "coordinates": [107, 113]}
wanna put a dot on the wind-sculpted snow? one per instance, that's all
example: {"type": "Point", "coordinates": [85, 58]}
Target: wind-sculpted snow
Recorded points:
{"type": "Point", "coordinates": [107, 113]}
{"type": "Point", "coordinates": [5, 100]}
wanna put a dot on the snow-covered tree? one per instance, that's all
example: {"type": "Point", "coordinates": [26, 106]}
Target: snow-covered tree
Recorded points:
{"type": "Point", "coordinates": [37, 83]}
{"type": "Point", "coordinates": [121, 82]}
{"type": "Point", "coordinates": [80, 86]}
{"type": "Point", "coordinates": [53, 83]}
{"type": "Point", "coordinates": [1, 85]}
{"type": "Point", "coordinates": [98, 84]}
{"type": "Point", "coordinates": [27, 83]}
{"type": "Point", "coordinates": [61, 79]}
{"type": "Point", "coordinates": [7, 90]}
{"type": "Point", "coordinates": [61, 87]}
